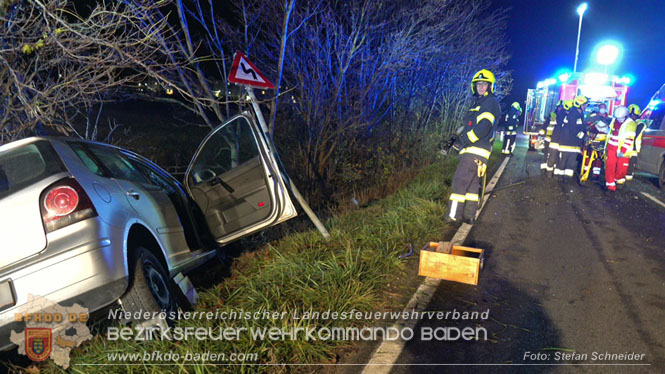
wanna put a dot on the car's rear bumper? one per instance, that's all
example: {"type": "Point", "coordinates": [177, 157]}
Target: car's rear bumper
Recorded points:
{"type": "Point", "coordinates": [83, 264]}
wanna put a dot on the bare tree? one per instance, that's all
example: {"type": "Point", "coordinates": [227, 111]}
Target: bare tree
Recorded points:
{"type": "Point", "coordinates": [57, 64]}
{"type": "Point", "coordinates": [375, 78]}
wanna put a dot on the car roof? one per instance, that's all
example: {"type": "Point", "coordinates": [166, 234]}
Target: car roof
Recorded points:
{"type": "Point", "coordinates": [61, 139]}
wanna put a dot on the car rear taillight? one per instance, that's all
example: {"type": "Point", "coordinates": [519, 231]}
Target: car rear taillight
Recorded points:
{"type": "Point", "coordinates": [63, 203]}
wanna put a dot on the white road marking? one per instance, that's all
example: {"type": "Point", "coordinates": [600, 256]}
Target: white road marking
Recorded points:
{"type": "Point", "coordinates": [389, 350]}
{"type": "Point", "coordinates": [654, 199]}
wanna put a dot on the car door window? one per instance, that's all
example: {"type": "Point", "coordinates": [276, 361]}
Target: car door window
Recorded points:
{"type": "Point", "coordinates": [117, 165]}
{"type": "Point", "coordinates": [230, 147]}
{"type": "Point", "coordinates": [86, 159]}
{"type": "Point", "coordinates": [655, 121]}
{"type": "Point", "coordinates": [154, 177]}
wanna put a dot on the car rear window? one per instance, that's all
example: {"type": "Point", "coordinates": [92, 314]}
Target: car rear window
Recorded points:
{"type": "Point", "coordinates": [23, 166]}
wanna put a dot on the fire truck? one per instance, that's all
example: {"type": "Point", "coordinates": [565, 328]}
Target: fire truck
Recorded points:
{"type": "Point", "coordinates": [541, 101]}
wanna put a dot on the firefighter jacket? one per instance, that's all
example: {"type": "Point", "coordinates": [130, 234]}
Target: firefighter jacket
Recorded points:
{"type": "Point", "coordinates": [572, 131]}
{"type": "Point", "coordinates": [479, 125]}
{"type": "Point", "coordinates": [556, 131]}
{"type": "Point", "coordinates": [554, 116]}
{"type": "Point", "coordinates": [622, 136]}
{"type": "Point", "coordinates": [637, 145]}
{"type": "Point", "coordinates": [511, 121]}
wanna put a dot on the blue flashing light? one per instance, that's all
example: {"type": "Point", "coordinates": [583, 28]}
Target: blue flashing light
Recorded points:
{"type": "Point", "coordinates": [653, 103]}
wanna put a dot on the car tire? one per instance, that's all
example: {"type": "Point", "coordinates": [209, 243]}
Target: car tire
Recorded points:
{"type": "Point", "coordinates": [150, 289]}
{"type": "Point", "coordinates": [661, 175]}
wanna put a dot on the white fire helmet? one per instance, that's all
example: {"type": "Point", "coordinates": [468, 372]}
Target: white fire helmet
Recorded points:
{"type": "Point", "coordinates": [621, 113]}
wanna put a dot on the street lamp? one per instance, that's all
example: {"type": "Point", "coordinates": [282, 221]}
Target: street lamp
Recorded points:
{"type": "Point", "coordinates": [580, 10]}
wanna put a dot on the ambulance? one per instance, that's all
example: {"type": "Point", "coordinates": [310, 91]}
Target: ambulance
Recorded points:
{"type": "Point", "coordinates": [651, 158]}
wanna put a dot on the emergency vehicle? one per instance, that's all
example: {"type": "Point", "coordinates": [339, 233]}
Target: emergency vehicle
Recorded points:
{"type": "Point", "coordinates": [651, 158]}
{"type": "Point", "coordinates": [541, 101]}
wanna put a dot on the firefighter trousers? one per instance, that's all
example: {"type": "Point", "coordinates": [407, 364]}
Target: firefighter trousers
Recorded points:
{"type": "Point", "coordinates": [631, 168]}
{"type": "Point", "coordinates": [552, 157]}
{"type": "Point", "coordinates": [509, 144]}
{"type": "Point", "coordinates": [567, 161]}
{"type": "Point", "coordinates": [466, 185]}
{"type": "Point", "coordinates": [546, 155]}
{"type": "Point", "coordinates": [615, 168]}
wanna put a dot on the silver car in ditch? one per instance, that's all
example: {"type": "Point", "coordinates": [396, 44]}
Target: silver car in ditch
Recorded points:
{"type": "Point", "coordinates": [90, 223]}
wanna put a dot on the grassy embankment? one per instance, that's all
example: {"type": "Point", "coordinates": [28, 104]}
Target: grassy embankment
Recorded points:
{"type": "Point", "coordinates": [301, 273]}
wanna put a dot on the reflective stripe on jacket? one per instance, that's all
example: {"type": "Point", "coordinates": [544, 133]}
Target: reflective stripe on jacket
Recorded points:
{"type": "Point", "coordinates": [479, 125]}
{"type": "Point", "coordinates": [570, 129]}
{"type": "Point", "coordinates": [637, 145]}
{"type": "Point", "coordinates": [622, 138]}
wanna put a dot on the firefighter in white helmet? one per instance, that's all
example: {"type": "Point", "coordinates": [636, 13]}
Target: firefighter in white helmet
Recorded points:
{"type": "Point", "coordinates": [618, 146]}
{"type": "Point", "coordinates": [475, 148]}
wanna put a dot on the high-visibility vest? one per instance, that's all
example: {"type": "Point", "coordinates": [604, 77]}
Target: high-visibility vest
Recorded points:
{"type": "Point", "coordinates": [638, 140]}
{"type": "Point", "coordinates": [624, 138]}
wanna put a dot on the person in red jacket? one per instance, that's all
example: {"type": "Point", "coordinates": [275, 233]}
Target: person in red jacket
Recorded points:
{"type": "Point", "coordinates": [619, 144]}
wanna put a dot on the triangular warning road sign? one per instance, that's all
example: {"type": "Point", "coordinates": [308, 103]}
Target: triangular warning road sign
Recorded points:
{"type": "Point", "coordinates": [244, 72]}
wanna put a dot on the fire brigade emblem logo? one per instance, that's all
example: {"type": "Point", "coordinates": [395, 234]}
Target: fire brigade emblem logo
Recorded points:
{"type": "Point", "coordinates": [38, 343]}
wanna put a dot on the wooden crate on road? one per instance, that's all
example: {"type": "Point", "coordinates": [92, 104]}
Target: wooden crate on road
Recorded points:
{"type": "Point", "coordinates": [454, 263]}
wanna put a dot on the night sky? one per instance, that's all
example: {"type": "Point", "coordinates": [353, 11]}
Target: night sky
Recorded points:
{"type": "Point", "coordinates": [542, 36]}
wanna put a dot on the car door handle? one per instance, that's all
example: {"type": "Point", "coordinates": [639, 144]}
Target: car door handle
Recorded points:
{"type": "Point", "coordinates": [133, 194]}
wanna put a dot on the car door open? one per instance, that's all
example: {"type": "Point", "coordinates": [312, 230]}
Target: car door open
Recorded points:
{"type": "Point", "coordinates": [235, 180]}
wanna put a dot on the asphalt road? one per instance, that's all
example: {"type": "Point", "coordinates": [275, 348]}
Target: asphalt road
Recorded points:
{"type": "Point", "coordinates": [572, 274]}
